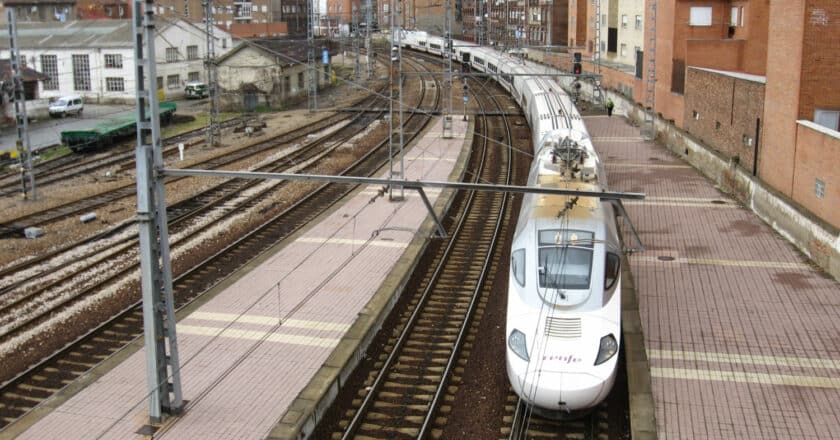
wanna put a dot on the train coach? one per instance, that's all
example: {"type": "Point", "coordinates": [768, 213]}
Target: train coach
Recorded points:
{"type": "Point", "coordinates": [563, 323]}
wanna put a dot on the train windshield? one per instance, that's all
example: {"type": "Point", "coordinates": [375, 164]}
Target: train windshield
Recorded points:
{"type": "Point", "coordinates": [565, 259]}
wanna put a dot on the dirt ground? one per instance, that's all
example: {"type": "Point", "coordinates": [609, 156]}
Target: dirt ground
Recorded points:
{"type": "Point", "coordinates": [70, 230]}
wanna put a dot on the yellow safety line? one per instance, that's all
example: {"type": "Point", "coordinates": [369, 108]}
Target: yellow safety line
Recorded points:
{"type": "Point", "coordinates": [720, 262]}
{"type": "Point", "coordinates": [749, 359]}
{"type": "Point", "coordinates": [269, 320]}
{"type": "Point", "coordinates": [646, 165]}
{"type": "Point", "coordinates": [378, 242]}
{"type": "Point", "coordinates": [254, 335]}
{"type": "Point", "coordinates": [743, 377]}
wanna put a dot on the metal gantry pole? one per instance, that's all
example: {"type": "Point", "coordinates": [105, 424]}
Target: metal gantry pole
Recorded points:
{"type": "Point", "coordinates": [597, 95]}
{"type": "Point", "coordinates": [163, 375]}
{"type": "Point", "coordinates": [447, 89]}
{"type": "Point", "coordinates": [395, 156]}
{"type": "Point", "coordinates": [649, 124]}
{"type": "Point", "coordinates": [356, 35]}
{"type": "Point", "coordinates": [368, 43]}
{"type": "Point", "coordinates": [310, 56]}
{"type": "Point", "coordinates": [21, 120]}
{"type": "Point", "coordinates": [213, 132]}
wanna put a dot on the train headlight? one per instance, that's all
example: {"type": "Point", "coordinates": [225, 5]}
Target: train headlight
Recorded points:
{"type": "Point", "coordinates": [608, 349]}
{"type": "Point", "coordinates": [517, 344]}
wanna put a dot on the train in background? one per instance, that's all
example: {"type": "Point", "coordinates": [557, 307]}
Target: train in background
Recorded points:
{"type": "Point", "coordinates": [563, 326]}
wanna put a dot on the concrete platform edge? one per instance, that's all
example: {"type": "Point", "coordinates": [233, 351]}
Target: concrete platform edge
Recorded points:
{"type": "Point", "coordinates": [642, 409]}
{"type": "Point", "coordinates": [315, 399]}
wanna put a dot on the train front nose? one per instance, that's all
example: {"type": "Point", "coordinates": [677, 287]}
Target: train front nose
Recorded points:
{"type": "Point", "coordinates": [559, 390]}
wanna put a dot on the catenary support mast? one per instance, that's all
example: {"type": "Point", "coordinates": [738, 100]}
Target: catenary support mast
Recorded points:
{"type": "Point", "coordinates": [21, 120]}
{"type": "Point", "coordinates": [163, 376]}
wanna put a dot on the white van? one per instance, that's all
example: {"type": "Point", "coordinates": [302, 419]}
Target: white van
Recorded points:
{"type": "Point", "coordinates": [67, 105]}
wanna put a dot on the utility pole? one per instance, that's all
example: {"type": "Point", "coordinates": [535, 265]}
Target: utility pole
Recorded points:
{"type": "Point", "coordinates": [310, 58]}
{"type": "Point", "coordinates": [163, 374]}
{"type": "Point", "coordinates": [21, 120]}
{"type": "Point", "coordinates": [213, 132]}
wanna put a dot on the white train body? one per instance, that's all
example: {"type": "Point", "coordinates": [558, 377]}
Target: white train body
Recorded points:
{"type": "Point", "coordinates": [563, 325]}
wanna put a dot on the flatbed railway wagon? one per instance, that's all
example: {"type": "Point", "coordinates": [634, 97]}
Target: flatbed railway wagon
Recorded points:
{"type": "Point", "coordinates": [105, 133]}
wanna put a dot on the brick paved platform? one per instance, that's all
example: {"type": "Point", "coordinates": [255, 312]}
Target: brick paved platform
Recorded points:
{"type": "Point", "coordinates": [741, 331]}
{"type": "Point", "coordinates": [248, 351]}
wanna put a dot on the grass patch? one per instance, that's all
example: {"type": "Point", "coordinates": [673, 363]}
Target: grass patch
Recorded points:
{"type": "Point", "coordinates": [53, 153]}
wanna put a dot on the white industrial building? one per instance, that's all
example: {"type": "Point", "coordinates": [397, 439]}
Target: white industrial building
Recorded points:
{"type": "Point", "coordinates": [95, 58]}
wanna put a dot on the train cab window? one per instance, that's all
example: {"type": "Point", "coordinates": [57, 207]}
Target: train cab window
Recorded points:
{"type": "Point", "coordinates": [611, 270]}
{"type": "Point", "coordinates": [565, 259]}
{"type": "Point", "coordinates": [517, 266]}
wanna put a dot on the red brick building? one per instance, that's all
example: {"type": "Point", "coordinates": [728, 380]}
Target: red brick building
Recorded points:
{"type": "Point", "coordinates": [801, 158]}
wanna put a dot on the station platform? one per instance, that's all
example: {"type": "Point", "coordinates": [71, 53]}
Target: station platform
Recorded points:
{"type": "Point", "coordinates": [294, 322]}
{"type": "Point", "coordinates": [740, 330]}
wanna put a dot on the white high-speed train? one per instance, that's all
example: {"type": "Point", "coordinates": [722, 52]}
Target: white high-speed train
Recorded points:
{"type": "Point", "coordinates": [564, 298]}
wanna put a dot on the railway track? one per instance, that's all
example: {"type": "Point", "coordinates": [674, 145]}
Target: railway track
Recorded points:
{"type": "Point", "coordinates": [77, 164]}
{"type": "Point", "coordinates": [28, 389]}
{"type": "Point", "coordinates": [15, 226]}
{"type": "Point", "coordinates": [407, 395]}
{"type": "Point", "coordinates": [608, 421]}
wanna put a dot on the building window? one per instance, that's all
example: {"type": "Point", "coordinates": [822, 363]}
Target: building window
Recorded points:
{"type": "Point", "coordinates": [733, 18]}
{"type": "Point", "coordinates": [287, 84]}
{"type": "Point", "coordinates": [742, 16]}
{"type": "Point", "coordinates": [827, 118]}
{"type": "Point", "coordinates": [113, 61]}
{"type": "Point", "coordinates": [700, 16]}
{"type": "Point", "coordinates": [819, 188]}
{"type": "Point", "coordinates": [623, 50]}
{"type": "Point", "coordinates": [746, 140]}
{"type": "Point", "coordinates": [171, 54]}
{"type": "Point", "coordinates": [194, 76]}
{"type": "Point", "coordinates": [81, 72]}
{"type": "Point", "coordinates": [159, 82]}
{"type": "Point", "coordinates": [603, 19]}
{"type": "Point", "coordinates": [300, 80]}
{"type": "Point", "coordinates": [192, 52]}
{"type": "Point", "coordinates": [639, 22]}
{"type": "Point", "coordinates": [624, 21]}
{"type": "Point", "coordinates": [173, 81]}
{"type": "Point", "coordinates": [114, 85]}
{"type": "Point", "coordinates": [49, 66]}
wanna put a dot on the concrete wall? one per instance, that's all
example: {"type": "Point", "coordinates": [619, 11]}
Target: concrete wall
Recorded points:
{"type": "Point", "coordinates": [727, 110]}
{"type": "Point", "coordinates": [815, 238]}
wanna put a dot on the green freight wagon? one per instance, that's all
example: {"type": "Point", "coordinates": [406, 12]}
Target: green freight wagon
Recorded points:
{"type": "Point", "coordinates": [105, 133]}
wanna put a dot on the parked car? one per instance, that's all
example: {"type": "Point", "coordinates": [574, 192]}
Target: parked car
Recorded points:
{"type": "Point", "coordinates": [68, 105]}
{"type": "Point", "coordinates": [196, 89]}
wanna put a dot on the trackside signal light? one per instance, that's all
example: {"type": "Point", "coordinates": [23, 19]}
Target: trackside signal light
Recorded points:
{"type": "Point", "coordinates": [578, 69]}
